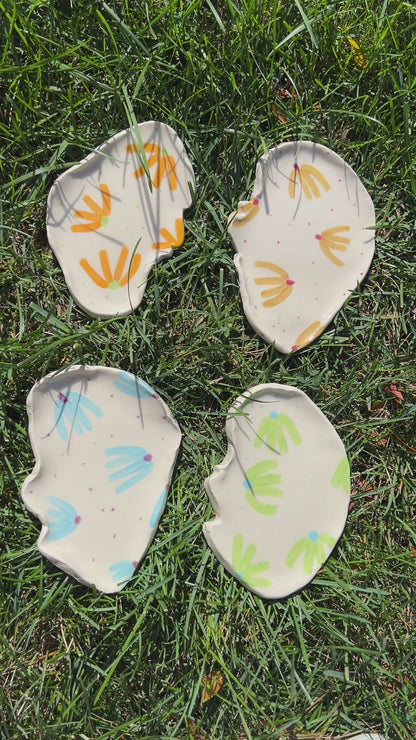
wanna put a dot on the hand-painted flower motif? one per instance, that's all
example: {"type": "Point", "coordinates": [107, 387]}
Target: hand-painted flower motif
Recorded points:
{"type": "Point", "coordinates": [123, 570]}
{"type": "Point", "coordinates": [97, 216]}
{"type": "Point", "coordinates": [159, 506]}
{"type": "Point", "coordinates": [308, 334]}
{"type": "Point", "coordinates": [272, 430]}
{"type": "Point", "coordinates": [132, 386]}
{"type": "Point", "coordinates": [165, 164]}
{"type": "Point", "coordinates": [245, 213]}
{"type": "Point", "coordinates": [330, 240]}
{"type": "Point", "coordinates": [170, 239]}
{"type": "Point", "coordinates": [260, 481]}
{"type": "Point", "coordinates": [70, 409]}
{"type": "Point", "coordinates": [341, 477]}
{"type": "Point", "coordinates": [244, 568]}
{"type": "Point", "coordinates": [313, 551]}
{"type": "Point", "coordinates": [306, 174]}
{"type": "Point", "coordinates": [62, 519]}
{"type": "Point", "coordinates": [282, 284]}
{"type": "Point", "coordinates": [135, 463]}
{"type": "Point", "coordinates": [109, 279]}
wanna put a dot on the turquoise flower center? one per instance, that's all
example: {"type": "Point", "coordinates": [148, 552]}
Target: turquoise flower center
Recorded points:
{"type": "Point", "coordinates": [313, 536]}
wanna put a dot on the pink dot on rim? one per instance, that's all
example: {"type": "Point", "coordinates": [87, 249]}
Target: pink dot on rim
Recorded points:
{"type": "Point", "coordinates": [147, 457]}
{"type": "Point", "coordinates": [134, 563]}
{"type": "Point", "coordinates": [77, 520]}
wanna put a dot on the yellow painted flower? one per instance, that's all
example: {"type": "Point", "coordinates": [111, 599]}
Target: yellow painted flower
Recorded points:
{"type": "Point", "coordinates": [165, 164]}
{"type": "Point", "coordinates": [281, 284]}
{"type": "Point", "coordinates": [306, 174]}
{"type": "Point", "coordinates": [245, 213]}
{"type": "Point", "coordinates": [109, 279]}
{"type": "Point", "coordinates": [306, 337]}
{"type": "Point", "coordinates": [329, 240]}
{"type": "Point", "coordinates": [170, 240]}
{"type": "Point", "coordinates": [97, 216]}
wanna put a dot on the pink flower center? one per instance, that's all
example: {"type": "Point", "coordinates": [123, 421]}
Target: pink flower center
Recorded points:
{"type": "Point", "coordinates": [290, 282]}
{"type": "Point", "coordinates": [296, 167]}
{"type": "Point", "coordinates": [318, 236]}
{"type": "Point", "coordinates": [77, 520]}
{"type": "Point", "coordinates": [147, 458]}
{"type": "Point", "coordinates": [255, 202]}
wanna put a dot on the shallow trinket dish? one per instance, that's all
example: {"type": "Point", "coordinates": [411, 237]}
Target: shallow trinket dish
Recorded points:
{"type": "Point", "coordinates": [105, 446]}
{"type": "Point", "coordinates": [114, 215]}
{"type": "Point", "coordinates": [281, 493]}
{"type": "Point", "coordinates": [304, 241]}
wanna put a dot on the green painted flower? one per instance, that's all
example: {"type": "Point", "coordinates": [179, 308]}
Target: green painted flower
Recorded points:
{"type": "Point", "coordinates": [272, 430]}
{"type": "Point", "coordinates": [243, 565]}
{"type": "Point", "coordinates": [259, 481]}
{"type": "Point", "coordinates": [313, 548]}
{"type": "Point", "coordinates": [341, 477]}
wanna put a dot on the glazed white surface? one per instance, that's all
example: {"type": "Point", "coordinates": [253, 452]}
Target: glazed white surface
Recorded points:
{"type": "Point", "coordinates": [289, 223]}
{"type": "Point", "coordinates": [105, 446]}
{"type": "Point", "coordinates": [281, 493]}
{"type": "Point", "coordinates": [106, 214]}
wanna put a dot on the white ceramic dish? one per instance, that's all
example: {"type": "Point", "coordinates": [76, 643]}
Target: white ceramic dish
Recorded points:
{"type": "Point", "coordinates": [109, 221]}
{"type": "Point", "coordinates": [304, 241]}
{"type": "Point", "coordinates": [281, 493]}
{"type": "Point", "coordinates": [105, 445]}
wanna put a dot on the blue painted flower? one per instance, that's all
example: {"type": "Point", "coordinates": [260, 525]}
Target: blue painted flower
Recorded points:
{"type": "Point", "coordinates": [132, 386]}
{"type": "Point", "coordinates": [157, 511]}
{"type": "Point", "coordinates": [122, 570]}
{"type": "Point", "coordinates": [69, 408]}
{"type": "Point", "coordinates": [62, 519]}
{"type": "Point", "coordinates": [135, 463]}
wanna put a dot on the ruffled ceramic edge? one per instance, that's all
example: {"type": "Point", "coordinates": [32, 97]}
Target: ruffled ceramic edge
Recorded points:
{"type": "Point", "coordinates": [159, 256]}
{"type": "Point", "coordinates": [251, 316]}
{"type": "Point", "coordinates": [38, 467]}
{"type": "Point", "coordinates": [229, 428]}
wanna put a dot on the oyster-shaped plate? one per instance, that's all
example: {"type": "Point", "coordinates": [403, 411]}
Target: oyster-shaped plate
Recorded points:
{"type": "Point", "coordinates": [304, 241]}
{"type": "Point", "coordinates": [111, 217]}
{"type": "Point", "coordinates": [281, 493]}
{"type": "Point", "coordinates": [105, 445]}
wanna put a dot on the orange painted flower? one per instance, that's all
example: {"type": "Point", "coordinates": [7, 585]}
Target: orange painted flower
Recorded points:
{"type": "Point", "coordinates": [97, 216]}
{"type": "Point", "coordinates": [329, 240]}
{"type": "Point", "coordinates": [171, 240]}
{"type": "Point", "coordinates": [306, 337]}
{"type": "Point", "coordinates": [282, 285]}
{"type": "Point", "coordinates": [245, 213]}
{"type": "Point", "coordinates": [307, 174]}
{"type": "Point", "coordinates": [165, 164]}
{"type": "Point", "coordinates": [108, 279]}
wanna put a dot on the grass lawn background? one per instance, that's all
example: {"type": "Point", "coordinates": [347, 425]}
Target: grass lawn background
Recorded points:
{"type": "Point", "coordinates": [233, 78]}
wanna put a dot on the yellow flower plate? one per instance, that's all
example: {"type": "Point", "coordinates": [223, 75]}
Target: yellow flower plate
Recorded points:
{"type": "Point", "coordinates": [110, 218]}
{"type": "Point", "coordinates": [281, 493]}
{"type": "Point", "coordinates": [304, 241]}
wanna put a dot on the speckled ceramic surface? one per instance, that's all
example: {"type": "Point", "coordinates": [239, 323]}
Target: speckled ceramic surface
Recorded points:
{"type": "Point", "coordinates": [110, 218]}
{"type": "Point", "coordinates": [303, 242]}
{"type": "Point", "coordinates": [105, 445]}
{"type": "Point", "coordinates": [281, 493]}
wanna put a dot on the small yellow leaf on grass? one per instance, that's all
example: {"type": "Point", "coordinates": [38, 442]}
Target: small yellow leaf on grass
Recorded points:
{"type": "Point", "coordinates": [212, 685]}
{"type": "Point", "coordinates": [356, 49]}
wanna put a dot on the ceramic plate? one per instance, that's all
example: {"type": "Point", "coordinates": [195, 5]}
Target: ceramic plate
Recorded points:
{"type": "Point", "coordinates": [111, 217]}
{"type": "Point", "coordinates": [105, 445]}
{"type": "Point", "coordinates": [304, 241]}
{"type": "Point", "coordinates": [281, 493]}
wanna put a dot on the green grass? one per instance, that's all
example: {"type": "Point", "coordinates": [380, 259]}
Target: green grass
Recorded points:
{"type": "Point", "coordinates": [338, 657]}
